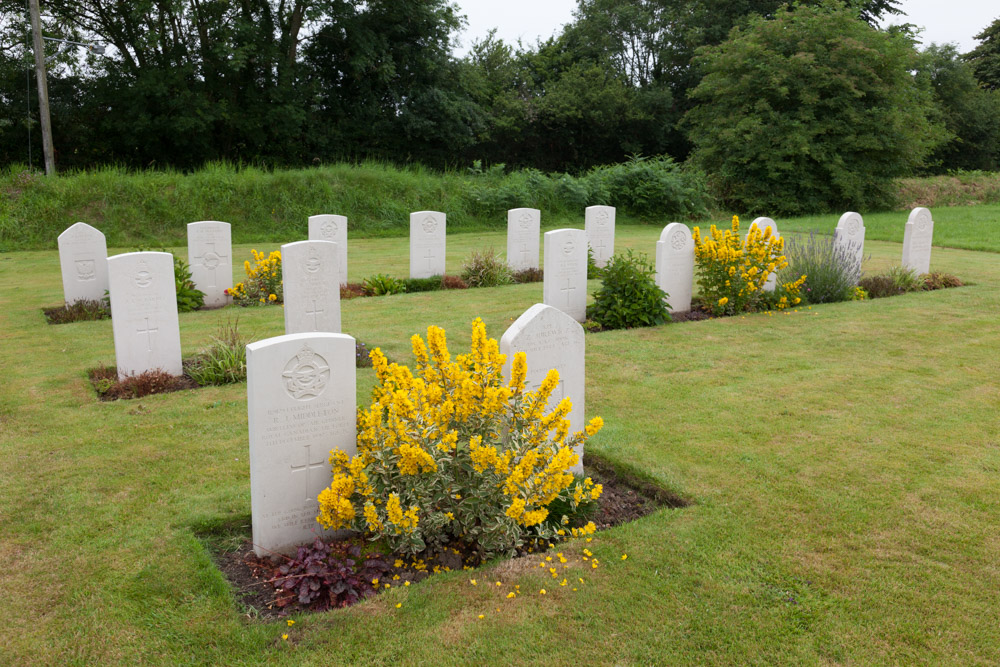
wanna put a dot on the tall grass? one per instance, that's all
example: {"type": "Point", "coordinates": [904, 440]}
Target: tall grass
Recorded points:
{"type": "Point", "coordinates": [154, 207]}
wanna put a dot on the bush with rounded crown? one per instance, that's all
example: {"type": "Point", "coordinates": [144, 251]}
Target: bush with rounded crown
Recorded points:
{"type": "Point", "coordinates": [449, 452]}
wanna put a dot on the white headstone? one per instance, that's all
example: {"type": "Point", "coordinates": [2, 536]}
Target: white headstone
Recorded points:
{"type": "Point", "coordinates": [849, 241]}
{"type": "Point", "coordinates": [551, 339]}
{"type": "Point", "coordinates": [427, 244]}
{"type": "Point", "coordinates": [523, 229]}
{"type": "Point", "coordinates": [311, 284]}
{"type": "Point", "coordinates": [565, 279]}
{"type": "Point", "coordinates": [144, 313]}
{"type": "Point", "coordinates": [331, 228]}
{"type": "Point", "coordinates": [917, 240]}
{"type": "Point", "coordinates": [301, 404]}
{"type": "Point", "coordinates": [763, 224]}
{"type": "Point", "coordinates": [599, 223]}
{"type": "Point", "coordinates": [83, 258]}
{"type": "Point", "coordinates": [675, 266]}
{"type": "Point", "coordinates": [210, 256]}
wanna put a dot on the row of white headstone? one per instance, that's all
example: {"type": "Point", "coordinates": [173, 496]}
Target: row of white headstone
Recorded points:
{"type": "Point", "coordinates": [301, 404]}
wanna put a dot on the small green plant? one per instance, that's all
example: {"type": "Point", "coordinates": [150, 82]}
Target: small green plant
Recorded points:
{"type": "Point", "coordinates": [830, 269]}
{"type": "Point", "coordinates": [189, 297]}
{"type": "Point", "coordinates": [422, 284]}
{"type": "Point", "coordinates": [381, 284]}
{"type": "Point", "coordinates": [486, 268]}
{"type": "Point", "coordinates": [81, 311]}
{"type": "Point", "coordinates": [224, 361]}
{"type": "Point", "coordinates": [628, 296]}
{"type": "Point", "coordinates": [593, 271]}
{"type": "Point", "coordinates": [897, 280]}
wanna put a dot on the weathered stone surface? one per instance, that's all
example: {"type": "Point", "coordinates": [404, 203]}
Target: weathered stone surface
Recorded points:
{"type": "Point", "coordinates": [763, 224]}
{"type": "Point", "coordinates": [311, 278]}
{"type": "Point", "coordinates": [144, 313]}
{"type": "Point", "coordinates": [83, 259]}
{"type": "Point", "coordinates": [565, 280]}
{"type": "Point", "coordinates": [849, 241]}
{"type": "Point", "coordinates": [523, 233]}
{"type": "Point", "coordinates": [331, 228]}
{"type": "Point", "coordinates": [301, 404]}
{"type": "Point", "coordinates": [427, 244]}
{"type": "Point", "coordinates": [599, 223]}
{"type": "Point", "coordinates": [551, 339]}
{"type": "Point", "coordinates": [675, 266]}
{"type": "Point", "coordinates": [210, 256]}
{"type": "Point", "coordinates": [917, 238]}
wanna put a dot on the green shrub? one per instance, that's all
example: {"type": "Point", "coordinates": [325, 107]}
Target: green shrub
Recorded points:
{"type": "Point", "coordinates": [381, 284]}
{"type": "Point", "coordinates": [224, 361]}
{"type": "Point", "coordinates": [593, 271]}
{"type": "Point", "coordinates": [422, 284]}
{"type": "Point", "coordinates": [189, 297]}
{"type": "Point", "coordinates": [628, 296]}
{"type": "Point", "coordinates": [486, 268]}
{"type": "Point", "coordinates": [830, 270]}
{"type": "Point", "coordinates": [897, 280]}
{"type": "Point", "coordinates": [654, 187]}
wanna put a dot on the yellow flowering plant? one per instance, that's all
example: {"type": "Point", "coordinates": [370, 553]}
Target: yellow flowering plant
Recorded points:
{"type": "Point", "coordinates": [263, 285]}
{"type": "Point", "coordinates": [733, 271]}
{"type": "Point", "coordinates": [450, 452]}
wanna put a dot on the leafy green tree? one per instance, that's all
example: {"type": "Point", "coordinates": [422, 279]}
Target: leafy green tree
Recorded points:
{"type": "Point", "coordinates": [813, 110]}
{"type": "Point", "coordinates": [985, 58]}
{"type": "Point", "coordinates": [970, 114]}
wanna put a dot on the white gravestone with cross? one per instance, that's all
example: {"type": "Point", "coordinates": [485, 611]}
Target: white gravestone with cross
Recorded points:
{"type": "Point", "coordinates": [763, 224]}
{"type": "Point", "coordinates": [311, 283]}
{"type": "Point", "coordinates": [565, 281]}
{"type": "Point", "coordinates": [210, 256]}
{"type": "Point", "coordinates": [83, 258]}
{"type": "Point", "coordinates": [551, 339]}
{"type": "Point", "coordinates": [849, 242]}
{"type": "Point", "coordinates": [675, 266]}
{"type": "Point", "coordinates": [917, 237]}
{"type": "Point", "coordinates": [144, 313]}
{"type": "Point", "coordinates": [301, 404]}
{"type": "Point", "coordinates": [427, 244]}
{"type": "Point", "coordinates": [331, 228]}
{"type": "Point", "coordinates": [599, 223]}
{"type": "Point", "coordinates": [523, 229]}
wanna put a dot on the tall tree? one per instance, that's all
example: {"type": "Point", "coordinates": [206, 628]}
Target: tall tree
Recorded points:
{"type": "Point", "coordinates": [985, 58]}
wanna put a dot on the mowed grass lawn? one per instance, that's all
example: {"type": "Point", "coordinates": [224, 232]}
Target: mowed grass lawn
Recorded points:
{"type": "Point", "coordinates": [842, 463]}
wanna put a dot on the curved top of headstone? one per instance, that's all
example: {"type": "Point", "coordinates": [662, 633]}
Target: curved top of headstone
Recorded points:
{"type": "Point", "coordinates": [431, 222]}
{"type": "Point", "coordinates": [209, 222]}
{"type": "Point", "coordinates": [523, 209]}
{"type": "Point", "coordinates": [763, 223]}
{"type": "Point", "coordinates": [328, 224]}
{"type": "Point", "coordinates": [920, 214]}
{"type": "Point", "coordinates": [677, 235]}
{"type": "Point", "coordinates": [296, 244]}
{"type": "Point", "coordinates": [79, 229]}
{"type": "Point", "coordinates": [539, 314]}
{"type": "Point", "coordinates": [151, 254]}
{"type": "Point", "coordinates": [851, 222]}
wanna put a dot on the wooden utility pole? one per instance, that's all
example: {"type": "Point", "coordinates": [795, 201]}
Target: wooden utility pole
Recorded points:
{"type": "Point", "coordinates": [43, 88]}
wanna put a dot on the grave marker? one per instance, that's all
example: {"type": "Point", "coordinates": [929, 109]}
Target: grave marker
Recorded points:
{"type": "Point", "coordinates": [917, 239]}
{"type": "Point", "coordinates": [523, 229]}
{"type": "Point", "coordinates": [427, 244]}
{"type": "Point", "coordinates": [311, 286]}
{"type": "Point", "coordinates": [675, 266]}
{"type": "Point", "coordinates": [565, 279]}
{"type": "Point", "coordinates": [849, 241]}
{"type": "Point", "coordinates": [210, 256]}
{"type": "Point", "coordinates": [301, 404]}
{"type": "Point", "coordinates": [331, 228]}
{"type": "Point", "coordinates": [83, 260]}
{"type": "Point", "coordinates": [599, 223]}
{"type": "Point", "coordinates": [551, 339]}
{"type": "Point", "coordinates": [763, 224]}
{"type": "Point", "coordinates": [144, 313]}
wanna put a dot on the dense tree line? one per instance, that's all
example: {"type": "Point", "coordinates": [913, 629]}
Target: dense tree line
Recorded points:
{"type": "Point", "coordinates": [295, 82]}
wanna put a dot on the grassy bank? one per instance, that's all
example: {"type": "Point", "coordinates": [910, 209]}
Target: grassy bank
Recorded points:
{"type": "Point", "coordinates": [842, 462]}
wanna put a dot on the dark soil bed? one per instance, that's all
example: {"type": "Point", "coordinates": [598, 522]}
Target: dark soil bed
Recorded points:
{"type": "Point", "coordinates": [108, 387]}
{"type": "Point", "coordinates": [623, 500]}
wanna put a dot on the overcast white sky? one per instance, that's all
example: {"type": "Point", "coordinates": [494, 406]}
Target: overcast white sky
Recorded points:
{"type": "Point", "coordinates": [943, 20]}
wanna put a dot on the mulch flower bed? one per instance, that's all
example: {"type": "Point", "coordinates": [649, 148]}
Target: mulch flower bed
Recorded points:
{"type": "Point", "coordinates": [251, 577]}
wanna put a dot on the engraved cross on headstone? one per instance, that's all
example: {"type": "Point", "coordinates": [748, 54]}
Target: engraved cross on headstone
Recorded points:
{"type": "Point", "coordinates": [149, 335]}
{"type": "Point", "coordinates": [430, 259]}
{"type": "Point", "coordinates": [568, 289]}
{"type": "Point", "coordinates": [308, 467]}
{"type": "Point", "coordinates": [210, 260]}
{"type": "Point", "coordinates": [603, 248]}
{"type": "Point", "coordinates": [315, 312]}
{"type": "Point", "coordinates": [524, 252]}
